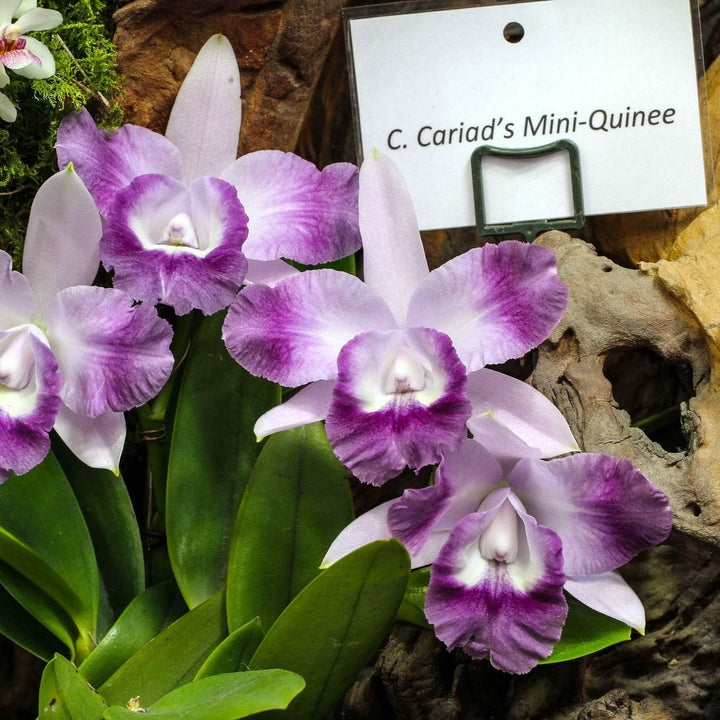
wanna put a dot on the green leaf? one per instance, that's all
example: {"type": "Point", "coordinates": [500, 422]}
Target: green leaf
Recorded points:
{"type": "Point", "coordinates": [212, 453]}
{"type": "Point", "coordinates": [221, 697]}
{"type": "Point", "coordinates": [296, 503]}
{"type": "Point", "coordinates": [172, 658]}
{"type": "Point", "coordinates": [145, 617]}
{"type": "Point", "coordinates": [412, 608]}
{"type": "Point", "coordinates": [65, 695]}
{"type": "Point", "coordinates": [39, 605]}
{"type": "Point", "coordinates": [586, 631]}
{"type": "Point", "coordinates": [234, 653]}
{"type": "Point", "coordinates": [25, 630]}
{"type": "Point", "coordinates": [110, 518]}
{"type": "Point", "coordinates": [336, 624]}
{"type": "Point", "coordinates": [43, 536]}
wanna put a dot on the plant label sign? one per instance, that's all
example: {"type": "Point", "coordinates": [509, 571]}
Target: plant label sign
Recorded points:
{"type": "Point", "coordinates": [619, 78]}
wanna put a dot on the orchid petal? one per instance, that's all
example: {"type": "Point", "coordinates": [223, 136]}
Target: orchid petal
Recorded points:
{"type": "Point", "coordinates": [522, 409]}
{"type": "Point", "coordinates": [394, 261]}
{"type": "Point", "coordinates": [399, 398]}
{"type": "Point", "coordinates": [8, 10]}
{"type": "Point", "coordinates": [107, 162]}
{"type": "Point", "coordinates": [38, 19]}
{"type": "Point", "coordinates": [4, 77]}
{"type": "Point", "coordinates": [292, 333]}
{"type": "Point", "coordinates": [603, 508]}
{"type": "Point", "coordinates": [113, 355]}
{"type": "Point", "coordinates": [8, 112]}
{"type": "Point", "coordinates": [18, 59]}
{"type": "Point", "coordinates": [205, 120]}
{"type": "Point", "coordinates": [97, 441]}
{"type": "Point", "coordinates": [27, 408]}
{"type": "Point", "coordinates": [33, 70]}
{"type": "Point", "coordinates": [512, 611]}
{"type": "Point", "coordinates": [308, 405]}
{"type": "Point", "coordinates": [295, 210]}
{"type": "Point", "coordinates": [64, 230]}
{"type": "Point", "coordinates": [495, 302]}
{"type": "Point", "coordinates": [503, 444]}
{"type": "Point", "coordinates": [463, 479]}
{"type": "Point", "coordinates": [267, 272]}
{"type": "Point", "coordinates": [17, 302]}
{"type": "Point", "coordinates": [610, 595]}
{"type": "Point", "coordinates": [366, 528]}
{"type": "Point", "coordinates": [23, 7]}
{"type": "Point", "coordinates": [178, 246]}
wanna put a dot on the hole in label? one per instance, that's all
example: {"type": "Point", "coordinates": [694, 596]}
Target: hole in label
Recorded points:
{"type": "Point", "coordinates": [514, 32]}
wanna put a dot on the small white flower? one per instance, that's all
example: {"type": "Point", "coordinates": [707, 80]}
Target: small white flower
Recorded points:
{"type": "Point", "coordinates": [24, 55]}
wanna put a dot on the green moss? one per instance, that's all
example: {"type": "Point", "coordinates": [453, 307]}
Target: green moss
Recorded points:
{"type": "Point", "coordinates": [86, 75]}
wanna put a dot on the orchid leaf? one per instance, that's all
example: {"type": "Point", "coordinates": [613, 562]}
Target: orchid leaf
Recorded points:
{"type": "Point", "coordinates": [212, 453]}
{"type": "Point", "coordinates": [39, 605]}
{"type": "Point", "coordinates": [44, 538]}
{"type": "Point", "coordinates": [296, 502]}
{"type": "Point", "coordinates": [25, 630]}
{"type": "Point", "coordinates": [145, 617]}
{"type": "Point", "coordinates": [235, 652]}
{"type": "Point", "coordinates": [336, 624]}
{"type": "Point", "coordinates": [110, 518]}
{"type": "Point", "coordinates": [412, 608]}
{"type": "Point", "coordinates": [221, 697]}
{"type": "Point", "coordinates": [586, 631]}
{"type": "Point", "coordinates": [170, 659]}
{"type": "Point", "coordinates": [65, 695]}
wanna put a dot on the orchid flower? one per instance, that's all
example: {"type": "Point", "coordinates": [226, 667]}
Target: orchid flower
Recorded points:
{"type": "Point", "coordinates": [507, 531]}
{"type": "Point", "coordinates": [24, 55]}
{"type": "Point", "coordinates": [183, 213]}
{"type": "Point", "coordinates": [72, 357]}
{"type": "Point", "coordinates": [388, 359]}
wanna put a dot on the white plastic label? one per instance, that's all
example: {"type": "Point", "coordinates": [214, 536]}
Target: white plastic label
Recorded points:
{"type": "Point", "coordinates": [617, 77]}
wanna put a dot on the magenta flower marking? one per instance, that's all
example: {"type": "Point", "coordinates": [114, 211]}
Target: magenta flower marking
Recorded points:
{"type": "Point", "coordinates": [505, 538]}
{"type": "Point", "coordinates": [184, 214]}
{"type": "Point", "coordinates": [72, 357]}
{"type": "Point", "coordinates": [389, 359]}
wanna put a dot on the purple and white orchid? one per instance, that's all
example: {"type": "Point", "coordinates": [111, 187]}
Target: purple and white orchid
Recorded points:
{"type": "Point", "coordinates": [72, 357]}
{"type": "Point", "coordinates": [388, 359]}
{"type": "Point", "coordinates": [184, 216]}
{"type": "Point", "coordinates": [507, 531]}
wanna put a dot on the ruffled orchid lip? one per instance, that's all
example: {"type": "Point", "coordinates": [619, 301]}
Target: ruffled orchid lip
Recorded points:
{"type": "Point", "coordinates": [29, 399]}
{"type": "Point", "coordinates": [399, 398]}
{"type": "Point", "coordinates": [175, 245]}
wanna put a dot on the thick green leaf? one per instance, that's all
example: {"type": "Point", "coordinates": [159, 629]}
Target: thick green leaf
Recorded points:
{"type": "Point", "coordinates": [145, 617]}
{"type": "Point", "coordinates": [43, 536]}
{"type": "Point", "coordinates": [172, 658]}
{"type": "Point", "coordinates": [65, 695]}
{"type": "Point", "coordinates": [39, 605]}
{"type": "Point", "coordinates": [221, 697]}
{"type": "Point", "coordinates": [412, 608]}
{"type": "Point", "coordinates": [295, 504]}
{"type": "Point", "coordinates": [110, 518]}
{"type": "Point", "coordinates": [336, 624]}
{"type": "Point", "coordinates": [25, 630]}
{"type": "Point", "coordinates": [235, 652]}
{"type": "Point", "coordinates": [586, 631]}
{"type": "Point", "coordinates": [212, 453]}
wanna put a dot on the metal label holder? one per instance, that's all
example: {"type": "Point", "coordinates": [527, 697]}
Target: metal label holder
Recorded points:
{"type": "Point", "coordinates": [529, 229]}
